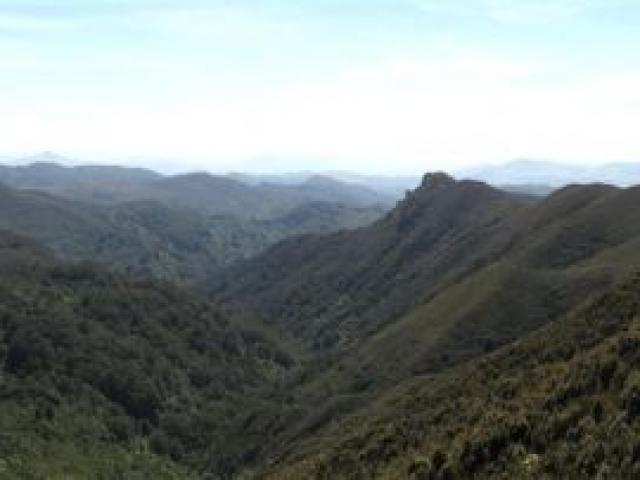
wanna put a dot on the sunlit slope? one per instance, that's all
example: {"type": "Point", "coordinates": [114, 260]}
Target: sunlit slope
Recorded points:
{"type": "Point", "coordinates": [560, 403]}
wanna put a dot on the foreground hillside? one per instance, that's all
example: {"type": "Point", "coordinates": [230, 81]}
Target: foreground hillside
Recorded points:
{"type": "Point", "coordinates": [106, 378]}
{"type": "Point", "coordinates": [562, 403]}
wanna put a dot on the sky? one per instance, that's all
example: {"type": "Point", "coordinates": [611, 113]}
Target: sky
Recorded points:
{"type": "Point", "coordinates": [376, 86]}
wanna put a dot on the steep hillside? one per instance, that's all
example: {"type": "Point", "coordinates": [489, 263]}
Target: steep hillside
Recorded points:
{"type": "Point", "coordinates": [105, 378]}
{"type": "Point", "coordinates": [331, 290]}
{"type": "Point", "coordinates": [553, 255]}
{"type": "Point", "coordinates": [561, 403]}
{"type": "Point", "coordinates": [447, 270]}
{"type": "Point", "coordinates": [563, 249]}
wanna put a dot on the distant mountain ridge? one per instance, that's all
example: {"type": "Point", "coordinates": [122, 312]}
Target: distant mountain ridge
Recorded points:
{"type": "Point", "coordinates": [212, 194]}
{"type": "Point", "coordinates": [394, 186]}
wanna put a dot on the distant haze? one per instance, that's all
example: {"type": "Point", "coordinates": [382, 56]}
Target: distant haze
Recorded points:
{"type": "Point", "coordinates": [524, 175]}
{"type": "Point", "coordinates": [381, 86]}
{"type": "Point", "coordinates": [545, 173]}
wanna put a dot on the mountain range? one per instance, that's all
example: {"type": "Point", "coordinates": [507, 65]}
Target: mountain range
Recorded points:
{"type": "Point", "coordinates": [458, 270]}
{"type": "Point", "coordinates": [200, 326]}
{"type": "Point", "coordinates": [213, 194]}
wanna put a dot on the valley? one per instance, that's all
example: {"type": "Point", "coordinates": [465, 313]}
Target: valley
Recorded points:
{"type": "Point", "coordinates": [466, 332]}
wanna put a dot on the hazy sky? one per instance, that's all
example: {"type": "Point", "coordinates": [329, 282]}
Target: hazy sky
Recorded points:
{"type": "Point", "coordinates": [368, 85]}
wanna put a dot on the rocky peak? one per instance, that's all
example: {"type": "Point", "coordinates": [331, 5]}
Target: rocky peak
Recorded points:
{"type": "Point", "coordinates": [435, 179]}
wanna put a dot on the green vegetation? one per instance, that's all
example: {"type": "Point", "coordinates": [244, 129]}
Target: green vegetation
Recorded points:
{"type": "Point", "coordinates": [105, 378]}
{"type": "Point", "coordinates": [445, 273]}
{"type": "Point", "coordinates": [465, 334]}
{"type": "Point", "coordinates": [146, 239]}
{"type": "Point", "coordinates": [561, 403]}
{"type": "Point", "coordinates": [544, 259]}
{"type": "Point", "coordinates": [333, 291]}
{"type": "Point", "coordinates": [209, 194]}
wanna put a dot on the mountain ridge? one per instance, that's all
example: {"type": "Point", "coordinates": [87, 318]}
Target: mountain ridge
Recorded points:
{"type": "Point", "coordinates": [354, 339]}
{"type": "Point", "coordinates": [393, 243]}
{"type": "Point", "coordinates": [211, 194]}
{"type": "Point", "coordinates": [546, 261]}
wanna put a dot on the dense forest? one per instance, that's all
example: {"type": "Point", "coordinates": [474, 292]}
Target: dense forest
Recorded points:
{"type": "Point", "coordinates": [103, 373]}
{"type": "Point", "coordinates": [149, 330]}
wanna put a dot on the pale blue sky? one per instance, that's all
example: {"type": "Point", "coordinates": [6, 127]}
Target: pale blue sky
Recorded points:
{"type": "Point", "coordinates": [379, 85]}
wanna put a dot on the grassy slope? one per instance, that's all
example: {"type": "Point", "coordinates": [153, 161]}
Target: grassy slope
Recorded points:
{"type": "Point", "coordinates": [561, 403]}
{"type": "Point", "coordinates": [564, 250]}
